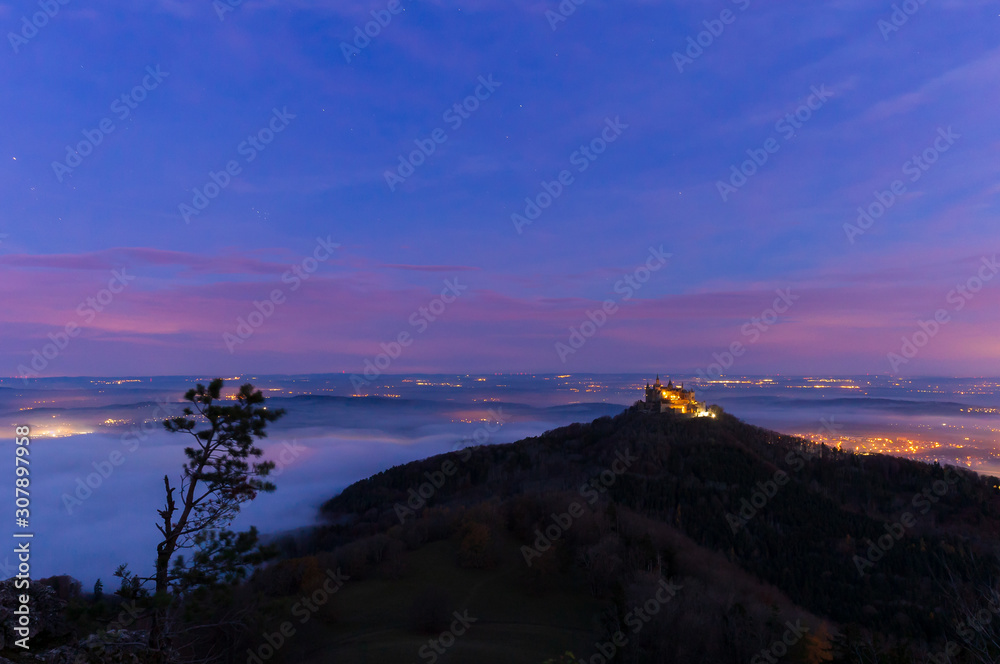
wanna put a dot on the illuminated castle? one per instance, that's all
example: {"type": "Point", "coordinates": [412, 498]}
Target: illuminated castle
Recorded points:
{"type": "Point", "coordinates": [662, 398]}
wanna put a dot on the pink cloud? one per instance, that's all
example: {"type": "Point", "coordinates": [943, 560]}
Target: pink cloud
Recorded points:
{"type": "Point", "coordinates": [336, 320]}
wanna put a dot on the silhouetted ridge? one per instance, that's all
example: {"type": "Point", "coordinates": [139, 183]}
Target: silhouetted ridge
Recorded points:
{"type": "Point", "coordinates": [694, 474]}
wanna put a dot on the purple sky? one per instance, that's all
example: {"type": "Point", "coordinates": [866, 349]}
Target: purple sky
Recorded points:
{"type": "Point", "coordinates": [68, 219]}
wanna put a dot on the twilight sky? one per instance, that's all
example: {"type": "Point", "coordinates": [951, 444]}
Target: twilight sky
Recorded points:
{"type": "Point", "coordinates": [266, 90]}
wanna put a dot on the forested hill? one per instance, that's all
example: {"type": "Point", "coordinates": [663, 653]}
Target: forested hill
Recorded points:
{"type": "Point", "coordinates": [866, 542]}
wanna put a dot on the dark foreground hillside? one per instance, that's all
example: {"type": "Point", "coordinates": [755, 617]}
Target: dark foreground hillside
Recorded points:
{"type": "Point", "coordinates": [874, 554]}
{"type": "Point", "coordinates": [636, 539]}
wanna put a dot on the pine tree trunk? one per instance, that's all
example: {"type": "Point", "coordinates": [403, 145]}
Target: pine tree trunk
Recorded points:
{"type": "Point", "coordinates": [158, 627]}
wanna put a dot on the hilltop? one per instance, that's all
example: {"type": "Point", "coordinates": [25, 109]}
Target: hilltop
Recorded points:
{"type": "Point", "coordinates": [760, 529]}
{"type": "Point", "coordinates": [643, 537]}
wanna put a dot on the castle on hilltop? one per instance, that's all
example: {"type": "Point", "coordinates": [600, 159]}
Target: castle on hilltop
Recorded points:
{"type": "Point", "coordinates": [662, 398]}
